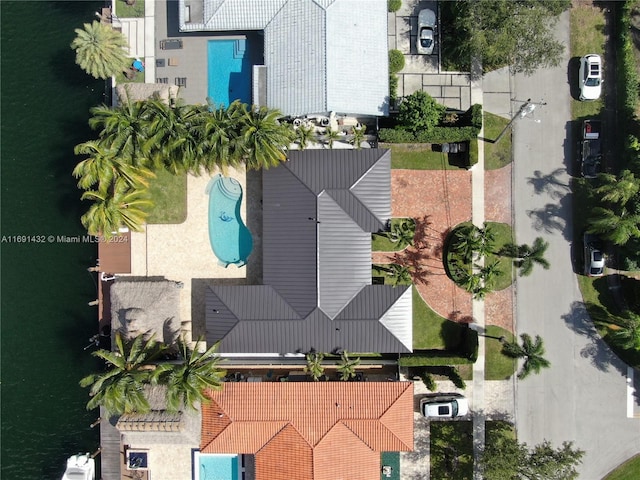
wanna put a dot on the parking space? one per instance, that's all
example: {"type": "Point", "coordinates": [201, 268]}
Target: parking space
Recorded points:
{"type": "Point", "coordinates": [423, 72]}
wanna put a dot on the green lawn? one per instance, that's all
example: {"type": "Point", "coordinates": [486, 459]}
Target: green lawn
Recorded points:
{"type": "Point", "coordinates": [430, 330]}
{"type": "Point", "coordinates": [587, 36]}
{"type": "Point", "coordinates": [130, 11]}
{"type": "Point", "coordinates": [496, 365]}
{"type": "Point", "coordinates": [451, 450]}
{"type": "Point", "coordinates": [380, 241]}
{"type": "Point", "coordinates": [496, 155]}
{"type": "Point", "coordinates": [629, 470]}
{"type": "Point", "coordinates": [169, 195]}
{"type": "Point", "coordinates": [137, 78]}
{"type": "Point", "coordinates": [418, 157]}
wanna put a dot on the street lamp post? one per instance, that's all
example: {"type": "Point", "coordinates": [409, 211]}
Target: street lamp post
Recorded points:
{"type": "Point", "coordinates": [525, 109]}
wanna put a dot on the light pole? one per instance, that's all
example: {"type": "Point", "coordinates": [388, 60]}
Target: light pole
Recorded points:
{"type": "Point", "coordinates": [527, 108]}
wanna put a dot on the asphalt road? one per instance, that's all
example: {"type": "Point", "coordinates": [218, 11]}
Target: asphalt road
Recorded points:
{"type": "Point", "coordinates": [582, 397]}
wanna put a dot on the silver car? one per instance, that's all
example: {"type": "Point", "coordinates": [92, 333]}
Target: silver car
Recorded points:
{"type": "Point", "coordinates": [426, 32]}
{"type": "Point", "coordinates": [445, 405]}
{"type": "Point", "coordinates": [593, 256]}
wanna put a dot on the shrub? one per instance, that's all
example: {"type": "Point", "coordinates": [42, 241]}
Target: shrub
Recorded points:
{"type": "Point", "coordinates": [393, 87]}
{"type": "Point", "coordinates": [419, 112]}
{"type": "Point", "coordinates": [469, 344]}
{"type": "Point", "coordinates": [396, 61]}
{"type": "Point", "coordinates": [455, 377]}
{"type": "Point", "coordinates": [432, 358]}
{"type": "Point", "coordinates": [395, 135]}
{"type": "Point", "coordinates": [428, 381]}
{"type": "Point", "coordinates": [476, 115]}
{"type": "Point", "coordinates": [446, 134]}
{"type": "Point", "coordinates": [394, 5]}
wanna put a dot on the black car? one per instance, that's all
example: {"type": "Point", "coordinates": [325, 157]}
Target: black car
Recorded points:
{"type": "Point", "coordinates": [590, 149]}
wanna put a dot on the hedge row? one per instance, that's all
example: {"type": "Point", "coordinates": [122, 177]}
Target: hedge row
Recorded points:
{"type": "Point", "coordinates": [434, 135]}
{"type": "Point", "coordinates": [626, 73]}
{"type": "Point", "coordinates": [435, 359]}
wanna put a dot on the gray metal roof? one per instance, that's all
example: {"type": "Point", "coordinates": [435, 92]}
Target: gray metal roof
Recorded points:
{"type": "Point", "coordinates": [320, 55]}
{"type": "Point", "coordinates": [319, 210]}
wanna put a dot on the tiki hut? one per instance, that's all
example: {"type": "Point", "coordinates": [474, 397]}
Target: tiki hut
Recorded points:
{"type": "Point", "coordinates": [146, 307]}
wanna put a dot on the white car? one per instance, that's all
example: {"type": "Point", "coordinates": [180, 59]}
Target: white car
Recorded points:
{"type": "Point", "coordinates": [590, 77]}
{"type": "Point", "coordinates": [593, 256]}
{"type": "Point", "coordinates": [426, 32]}
{"type": "Point", "coordinates": [446, 405]}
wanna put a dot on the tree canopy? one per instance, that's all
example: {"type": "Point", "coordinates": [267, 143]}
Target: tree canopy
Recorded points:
{"type": "Point", "coordinates": [419, 111]}
{"type": "Point", "coordinates": [510, 33]}
{"type": "Point", "coordinates": [504, 458]}
{"type": "Point", "coordinates": [100, 50]}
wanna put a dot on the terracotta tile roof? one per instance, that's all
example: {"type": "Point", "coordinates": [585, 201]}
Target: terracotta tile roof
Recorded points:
{"type": "Point", "coordinates": [310, 430]}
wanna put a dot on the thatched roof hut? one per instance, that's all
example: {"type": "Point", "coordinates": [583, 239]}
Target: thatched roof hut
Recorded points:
{"type": "Point", "coordinates": [146, 307]}
{"type": "Point", "coordinates": [143, 91]}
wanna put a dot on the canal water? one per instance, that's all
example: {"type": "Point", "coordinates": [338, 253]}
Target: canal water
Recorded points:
{"type": "Point", "coordinates": [45, 287]}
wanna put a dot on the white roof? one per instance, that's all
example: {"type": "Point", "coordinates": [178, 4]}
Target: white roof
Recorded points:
{"type": "Point", "coordinates": [320, 55]}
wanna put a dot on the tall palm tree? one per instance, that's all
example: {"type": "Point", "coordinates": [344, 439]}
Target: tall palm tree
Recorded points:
{"type": "Point", "coordinates": [618, 189]}
{"type": "Point", "coordinates": [627, 333]}
{"type": "Point", "coordinates": [616, 226]}
{"type": "Point", "coordinates": [358, 136]}
{"type": "Point", "coordinates": [490, 271]}
{"type": "Point", "coordinates": [305, 136]}
{"type": "Point", "coordinates": [347, 366]}
{"type": "Point", "coordinates": [100, 50]}
{"type": "Point", "coordinates": [314, 365]}
{"type": "Point", "coordinates": [264, 139]}
{"type": "Point", "coordinates": [217, 130]}
{"type": "Point", "coordinates": [402, 233]}
{"type": "Point", "coordinates": [124, 129]}
{"type": "Point", "coordinates": [187, 381]}
{"type": "Point", "coordinates": [121, 388]}
{"type": "Point", "coordinates": [103, 168]}
{"type": "Point", "coordinates": [331, 136]}
{"type": "Point", "coordinates": [170, 131]}
{"type": "Point", "coordinates": [531, 351]}
{"type": "Point", "coordinates": [116, 208]}
{"type": "Point", "coordinates": [525, 256]}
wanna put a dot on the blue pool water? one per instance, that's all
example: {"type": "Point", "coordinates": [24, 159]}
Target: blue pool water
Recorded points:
{"type": "Point", "coordinates": [217, 467]}
{"type": "Point", "coordinates": [229, 69]}
{"type": "Point", "coordinates": [230, 238]}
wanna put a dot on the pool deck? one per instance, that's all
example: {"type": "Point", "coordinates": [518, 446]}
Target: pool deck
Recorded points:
{"type": "Point", "coordinates": [182, 252]}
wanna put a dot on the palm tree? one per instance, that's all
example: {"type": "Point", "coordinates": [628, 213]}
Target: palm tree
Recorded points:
{"type": "Point", "coordinates": [627, 333]}
{"type": "Point", "coordinates": [124, 129]}
{"type": "Point", "coordinates": [102, 167]}
{"type": "Point", "coordinates": [487, 240]}
{"type": "Point", "coordinates": [305, 136]}
{"type": "Point", "coordinates": [100, 50]}
{"type": "Point", "coordinates": [398, 274]}
{"type": "Point", "coordinates": [531, 351]}
{"type": "Point", "coordinates": [467, 240]}
{"type": "Point", "coordinates": [402, 233]}
{"type": "Point", "coordinates": [116, 208]}
{"type": "Point", "coordinates": [121, 388]}
{"type": "Point", "coordinates": [173, 144]}
{"type": "Point", "coordinates": [490, 271]}
{"type": "Point", "coordinates": [217, 130]}
{"type": "Point", "coordinates": [615, 226]}
{"type": "Point", "coordinates": [314, 365]}
{"type": "Point", "coordinates": [331, 136]}
{"type": "Point", "coordinates": [619, 189]}
{"type": "Point", "coordinates": [188, 381]}
{"type": "Point", "coordinates": [525, 256]}
{"type": "Point", "coordinates": [358, 136]}
{"type": "Point", "coordinates": [347, 366]}
{"type": "Point", "coordinates": [264, 139]}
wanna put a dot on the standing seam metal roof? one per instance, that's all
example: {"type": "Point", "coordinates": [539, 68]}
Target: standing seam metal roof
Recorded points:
{"type": "Point", "coordinates": [317, 264]}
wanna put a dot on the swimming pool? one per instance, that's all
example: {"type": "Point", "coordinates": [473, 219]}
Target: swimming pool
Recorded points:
{"type": "Point", "coordinates": [230, 238]}
{"type": "Point", "coordinates": [229, 70]}
{"type": "Point", "coordinates": [208, 466]}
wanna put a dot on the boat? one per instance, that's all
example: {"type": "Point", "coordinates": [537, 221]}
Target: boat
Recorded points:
{"type": "Point", "coordinates": [80, 467]}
